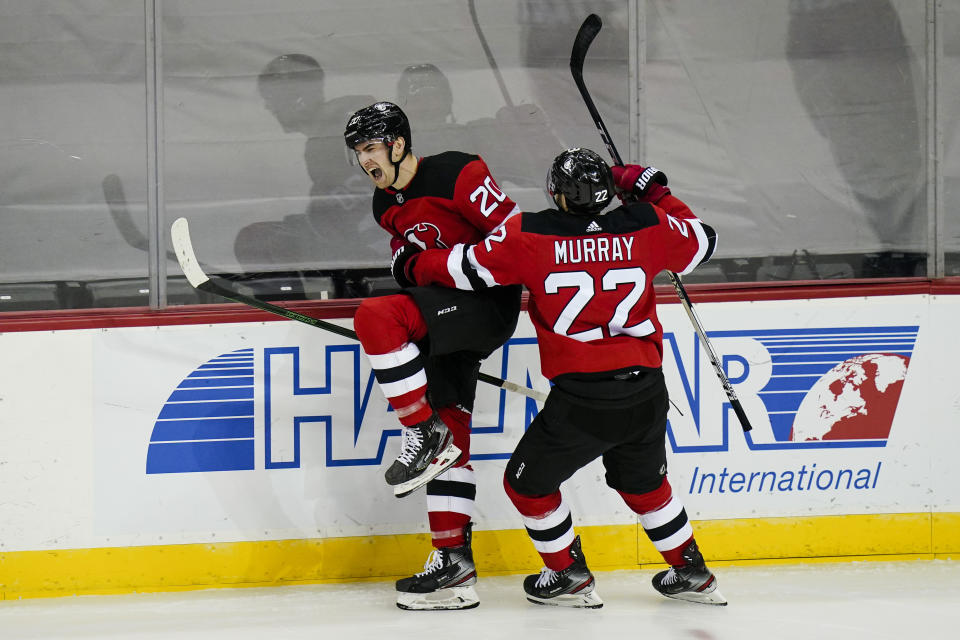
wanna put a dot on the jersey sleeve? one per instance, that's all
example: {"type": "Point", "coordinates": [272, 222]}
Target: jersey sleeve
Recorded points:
{"type": "Point", "coordinates": [675, 207]}
{"type": "Point", "coordinates": [489, 263]}
{"type": "Point", "coordinates": [479, 199]}
{"type": "Point", "coordinates": [686, 241]}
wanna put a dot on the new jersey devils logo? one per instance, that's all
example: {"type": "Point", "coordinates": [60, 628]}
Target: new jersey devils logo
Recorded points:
{"type": "Point", "coordinates": [425, 236]}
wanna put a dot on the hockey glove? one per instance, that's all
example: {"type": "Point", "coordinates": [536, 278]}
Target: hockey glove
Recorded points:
{"type": "Point", "coordinates": [646, 183]}
{"type": "Point", "coordinates": [401, 264]}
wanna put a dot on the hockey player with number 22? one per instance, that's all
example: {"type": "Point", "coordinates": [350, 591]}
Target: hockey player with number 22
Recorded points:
{"type": "Point", "coordinates": [589, 274]}
{"type": "Point", "coordinates": [425, 344]}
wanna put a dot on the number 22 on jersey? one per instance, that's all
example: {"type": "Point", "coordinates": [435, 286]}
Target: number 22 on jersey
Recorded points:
{"type": "Point", "coordinates": [585, 295]}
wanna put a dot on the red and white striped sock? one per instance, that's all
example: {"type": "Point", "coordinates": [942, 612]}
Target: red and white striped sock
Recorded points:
{"type": "Point", "coordinates": [664, 520]}
{"type": "Point", "coordinates": [388, 328]}
{"type": "Point", "coordinates": [549, 525]}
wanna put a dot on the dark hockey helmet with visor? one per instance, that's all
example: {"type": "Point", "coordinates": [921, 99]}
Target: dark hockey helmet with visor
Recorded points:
{"type": "Point", "coordinates": [584, 180]}
{"type": "Point", "coordinates": [383, 121]}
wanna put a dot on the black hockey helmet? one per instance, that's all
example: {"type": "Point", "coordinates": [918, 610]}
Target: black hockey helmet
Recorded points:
{"type": "Point", "coordinates": [584, 180]}
{"type": "Point", "coordinates": [382, 121]}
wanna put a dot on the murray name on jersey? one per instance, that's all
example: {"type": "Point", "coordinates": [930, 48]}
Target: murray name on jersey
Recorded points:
{"type": "Point", "coordinates": [602, 249]}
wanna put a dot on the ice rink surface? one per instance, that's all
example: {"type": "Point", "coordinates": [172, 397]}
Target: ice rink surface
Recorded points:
{"type": "Point", "coordinates": [852, 600]}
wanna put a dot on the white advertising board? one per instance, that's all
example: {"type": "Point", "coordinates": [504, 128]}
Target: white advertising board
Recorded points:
{"type": "Point", "coordinates": [272, 431]}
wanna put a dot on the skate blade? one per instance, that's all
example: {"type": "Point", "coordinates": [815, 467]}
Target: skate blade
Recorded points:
{"type": "Point", "coordinates": [589, 600]}
{"type": "Point", "coordinates": [443, 599]}
{"type": "Point", "coordinates": [446, 459]}
{"type": "Point", "coordinates": [711, 596]}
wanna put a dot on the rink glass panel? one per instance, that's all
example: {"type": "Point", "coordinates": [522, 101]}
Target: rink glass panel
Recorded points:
{"type": "Point", "coordinates": [72, 95]}
{"type": "Point", "coordinates": [798, 128]}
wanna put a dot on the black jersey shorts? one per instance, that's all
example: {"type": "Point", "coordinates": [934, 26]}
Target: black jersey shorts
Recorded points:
{"type": "Point", "coordinates": [463, 328]}
{"type": "Point", "coordinates": [628, 430]}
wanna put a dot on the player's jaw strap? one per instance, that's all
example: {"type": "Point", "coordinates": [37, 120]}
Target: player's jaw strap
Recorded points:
{"type": "Point", "coordinates": [396, 165]}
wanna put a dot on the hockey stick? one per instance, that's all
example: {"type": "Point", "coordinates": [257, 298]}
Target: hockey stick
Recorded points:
{"type": "Point", "coordinates": [183, 248]}
{"type": "Point", "coordinates": [486, 50]}
{"type": "Point", "coordinates": [585, 36]}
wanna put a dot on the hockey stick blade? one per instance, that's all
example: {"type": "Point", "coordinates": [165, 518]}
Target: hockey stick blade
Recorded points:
{"type": "Point", "coordinates": [183, 248]}
{"type": "Point", "coordinates": [581, 44]}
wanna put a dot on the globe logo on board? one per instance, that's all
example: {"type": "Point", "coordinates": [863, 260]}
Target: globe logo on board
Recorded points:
{"type": "Point", "coordinates": [821, 387]}
{"type": "Point", "coordinates": [855, 400]}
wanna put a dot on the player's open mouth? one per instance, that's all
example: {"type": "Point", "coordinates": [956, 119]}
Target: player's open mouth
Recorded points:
{"type": "Point", "coordinates": [376, 174]}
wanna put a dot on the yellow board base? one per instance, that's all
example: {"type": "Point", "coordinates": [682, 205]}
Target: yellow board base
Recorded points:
{"type": "Point", "coordinates": [37, 574]}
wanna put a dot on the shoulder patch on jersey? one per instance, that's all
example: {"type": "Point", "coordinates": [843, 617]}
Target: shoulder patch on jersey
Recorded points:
{"type": "Point", "coordinates": [624, 219]}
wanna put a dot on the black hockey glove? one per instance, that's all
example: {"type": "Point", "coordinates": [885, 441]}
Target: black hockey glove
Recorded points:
{"type": "Point", "coordinates": [401, 264]}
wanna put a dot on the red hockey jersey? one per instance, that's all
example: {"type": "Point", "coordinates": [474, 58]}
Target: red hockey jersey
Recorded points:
{"type": "Point", "coordinates": [451, 199]}
{"type": "Point", "coordinates": [590, 278]}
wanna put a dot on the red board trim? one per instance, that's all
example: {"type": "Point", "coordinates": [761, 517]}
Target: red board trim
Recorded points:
{"type": "Point", "coordinates": [65, 320]}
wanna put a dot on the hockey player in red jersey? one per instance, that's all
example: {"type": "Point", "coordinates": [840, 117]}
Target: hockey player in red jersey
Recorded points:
{"type": "Point", "coordinates": [426, 343]}
{"type": "Point", "coordinates": [589, 274]}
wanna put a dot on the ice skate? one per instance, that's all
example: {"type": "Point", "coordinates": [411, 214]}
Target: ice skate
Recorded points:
{"type": "Point", "coordinates": [570, 587]}
{"type": "Point", "coordinates": [691, 581]}
{"type": "Point", "coordinates": [446, 582]}
{"type": "Point", "coordinates": [426, 451]}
